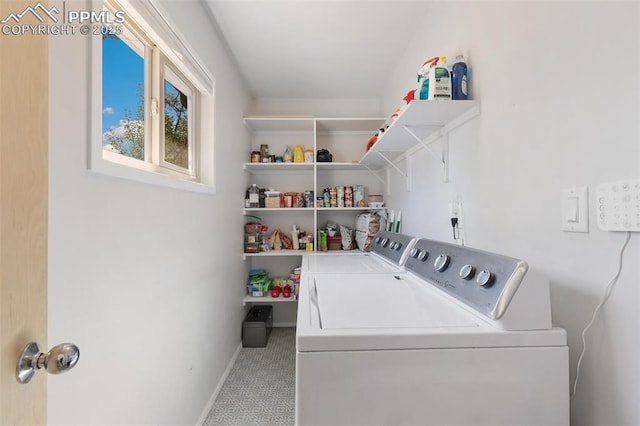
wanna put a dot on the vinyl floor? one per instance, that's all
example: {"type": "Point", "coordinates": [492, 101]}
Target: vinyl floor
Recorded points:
{"type": "Point", "coordinates": [260, 388]}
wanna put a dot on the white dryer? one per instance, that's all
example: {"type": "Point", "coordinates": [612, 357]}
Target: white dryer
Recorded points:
{"type": "Point", "coordinates": [389, 251]}
{"type": "Point", "coordinates": [463, 338]}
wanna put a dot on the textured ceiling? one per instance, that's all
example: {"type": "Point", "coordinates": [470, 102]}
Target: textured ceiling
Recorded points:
{"type": "Point", "coordinates": [316, 49]}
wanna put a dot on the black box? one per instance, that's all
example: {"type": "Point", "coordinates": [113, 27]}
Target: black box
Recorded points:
{"type": "Point", "coordinates": [257, 326]}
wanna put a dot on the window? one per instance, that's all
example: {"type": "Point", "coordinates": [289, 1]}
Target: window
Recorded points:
{"type": "Point", "coordinates": [153, 96]}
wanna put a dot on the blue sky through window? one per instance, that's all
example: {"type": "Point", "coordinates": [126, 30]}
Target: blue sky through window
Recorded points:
{"type": "Point", "coordinates": [122, 76]}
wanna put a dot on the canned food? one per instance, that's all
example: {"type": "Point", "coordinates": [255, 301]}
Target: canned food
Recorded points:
{"type": "Point", "coordinates": [308, 198]}
{"type": "Point", "coordinates": [255, 156]}
{"type": "Point", "coordinates": [348, 196]}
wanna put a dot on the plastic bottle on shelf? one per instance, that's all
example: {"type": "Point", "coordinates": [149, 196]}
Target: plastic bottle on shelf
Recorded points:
{"type": "Point", "coordinates": [440, 80]}
{"type": "Point", "coordinates": [459, 78]}
{"type": "Point", "coordinates": [423, 78]}
{"type": "Point", "coordinates": [254, 196]}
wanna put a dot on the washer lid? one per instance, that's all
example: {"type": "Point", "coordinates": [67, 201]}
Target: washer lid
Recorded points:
{"type": "Point", "coordinates": [357, 263]}
{"type": "Point", "coordinates": [382, 302]}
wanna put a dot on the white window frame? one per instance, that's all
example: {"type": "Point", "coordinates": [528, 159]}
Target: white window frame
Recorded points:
{"type": "Point", "coordinates": [169, 47]}
{"type": "Point", "coordinates": [181, 83]}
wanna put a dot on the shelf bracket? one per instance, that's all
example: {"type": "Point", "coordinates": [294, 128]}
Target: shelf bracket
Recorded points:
{"type": "Point", "coordinates": [392, 164]}
{"type": "Point", "coordinates": [419, 140]}
{"type": "Point", "coordinates": [443, 137]}
{"type": "Point", "coordinates": [445, 154]}
{"type": "Point", "coordinates": [375, 174]}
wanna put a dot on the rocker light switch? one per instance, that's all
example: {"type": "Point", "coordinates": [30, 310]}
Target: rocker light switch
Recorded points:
{"type": "Point", "coordinates": [575, 210]}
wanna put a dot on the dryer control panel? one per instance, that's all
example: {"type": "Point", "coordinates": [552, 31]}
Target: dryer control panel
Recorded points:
{"type": "Point", "coordinates": [484, 281]}
{"type": "Point", "coordinates": [392, 246]}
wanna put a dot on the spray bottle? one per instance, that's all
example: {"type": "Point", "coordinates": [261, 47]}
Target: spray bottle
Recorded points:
{"type": "Point", "coordinates": [423, 78]}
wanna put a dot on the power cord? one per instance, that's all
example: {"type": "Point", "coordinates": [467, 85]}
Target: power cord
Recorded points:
{"type": "Point", "coordinates": [596, 311]}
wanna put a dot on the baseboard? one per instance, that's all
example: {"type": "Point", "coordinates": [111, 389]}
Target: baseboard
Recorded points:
{"type": "Point", "coordinates": [216, 391]}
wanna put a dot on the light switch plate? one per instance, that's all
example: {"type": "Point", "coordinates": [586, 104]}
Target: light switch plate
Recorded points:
{"type": "Point", "coordinates": [575, 209]}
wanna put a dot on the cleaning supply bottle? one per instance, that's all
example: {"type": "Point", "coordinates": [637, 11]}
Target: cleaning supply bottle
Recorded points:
{"type": "Point", "coordinates": [459, 78]}
{"type": "Point", "coordinates": [439, 80]}
{"type": "Point", "coordinates": [423, 78]}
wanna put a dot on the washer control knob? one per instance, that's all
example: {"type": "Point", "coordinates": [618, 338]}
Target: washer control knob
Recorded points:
{"type": "Point", "coordinates": [422, 255]}
{"type": "Point", "coordinates": [414, 252]}
{"type": "Point", "coordinates": [467, 272]}
{"type": "Point", "coordinates": [441, 263]}
{"type": "Point", "coordinates": [485, 278]}
{"type": "Point", "coordinates": [398, 246]}
{"type": "Point", "coordinates": [377, 240]}
{"type": "Point", "coordinates": [385, 242]}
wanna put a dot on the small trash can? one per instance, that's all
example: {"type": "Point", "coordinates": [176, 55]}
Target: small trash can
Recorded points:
{"type": "Point", "coordinates": [257, 326]}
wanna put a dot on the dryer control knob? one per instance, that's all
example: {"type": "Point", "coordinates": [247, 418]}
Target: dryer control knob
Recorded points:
{"type": "Point", "coordinates": [414, 252]}
{"type": "Point", "coordinates": [422, 255]}
{"type": "Point", "coordinates": [377, 240]}
{"type": "Point", "coordinates": [441, 263]}
{"type": "Point", "coordinates": [385, 242]}
{"type": "Point", "coordinates": [485, 278]}
{"type": "Point", "coordinates": [398, 246]}
{"type": "Point", "coordinates": [467, 272]}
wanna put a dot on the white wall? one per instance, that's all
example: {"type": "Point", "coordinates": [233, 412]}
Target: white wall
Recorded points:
{"type": "Point", "coordinates": [146, 280]}
{"type": "Point", "coordinates": [558, 85]}
{"type": "Point", "coordinates": [316, 107]}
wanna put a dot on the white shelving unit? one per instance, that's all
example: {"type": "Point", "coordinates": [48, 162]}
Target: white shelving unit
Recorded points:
{"type": "Point", "coordinates": [420, 124]}
{"type": "Point", "coordinates": [346, 139]}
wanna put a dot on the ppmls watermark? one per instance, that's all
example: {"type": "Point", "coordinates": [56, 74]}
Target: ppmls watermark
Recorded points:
{"type": "Point", "coordinates": [65, 22]}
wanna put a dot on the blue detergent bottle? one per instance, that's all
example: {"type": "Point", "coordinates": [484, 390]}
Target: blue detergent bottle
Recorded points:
{"type": "Point", "coordinates": [459, 79]}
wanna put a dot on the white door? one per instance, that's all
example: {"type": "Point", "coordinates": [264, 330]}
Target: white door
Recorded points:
{"type": "Point", "coordinates": [23, 214]}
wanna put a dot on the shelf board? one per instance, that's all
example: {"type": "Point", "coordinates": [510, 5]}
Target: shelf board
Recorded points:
{"type": "Point", "coordinates": [267, 299]}
{"type": "Point", "coordinates": [340, 167]}
{"type": "Point", "coordinates": [351, 209]}
{"type": "Point", "coordinates": [279, 123]}
{"type": "Point", "coordinates": [278, 209]}
{"type": "Point", "coordinates": [278, 167]}
{"type": "Point", "coordinates": [308, 209]}
{"type": "Point", "coordinates": [276, 253]}
{"type": "Point", "coordinates": [425, 119]}
{"type": "Point", "coordinates": [349, 124]}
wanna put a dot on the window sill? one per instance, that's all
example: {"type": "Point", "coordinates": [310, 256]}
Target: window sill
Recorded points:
{"type": "Point", "coordinates": [149, 177]}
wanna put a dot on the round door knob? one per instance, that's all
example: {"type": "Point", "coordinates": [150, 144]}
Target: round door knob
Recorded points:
{"type": "Point", "coordinates": [485, 278]}
{"type": "Point", "coordinates": [467, 271]}
{"type": "Point", "coordinates": [441, 263]}
{"type": "Point", "coordinates": [60, 358]}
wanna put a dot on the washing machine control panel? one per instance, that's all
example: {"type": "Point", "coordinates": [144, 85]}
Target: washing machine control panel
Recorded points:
{"type": "Point", "coordinates": [392, 246]}
{"type": "Point", "coordinates": [482, 280]}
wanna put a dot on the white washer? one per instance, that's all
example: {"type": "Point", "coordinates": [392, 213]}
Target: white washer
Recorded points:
{"type": "Point", "coordinates": [389, 251]}
{"type": "Point", "coordinates": [444, 344]}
